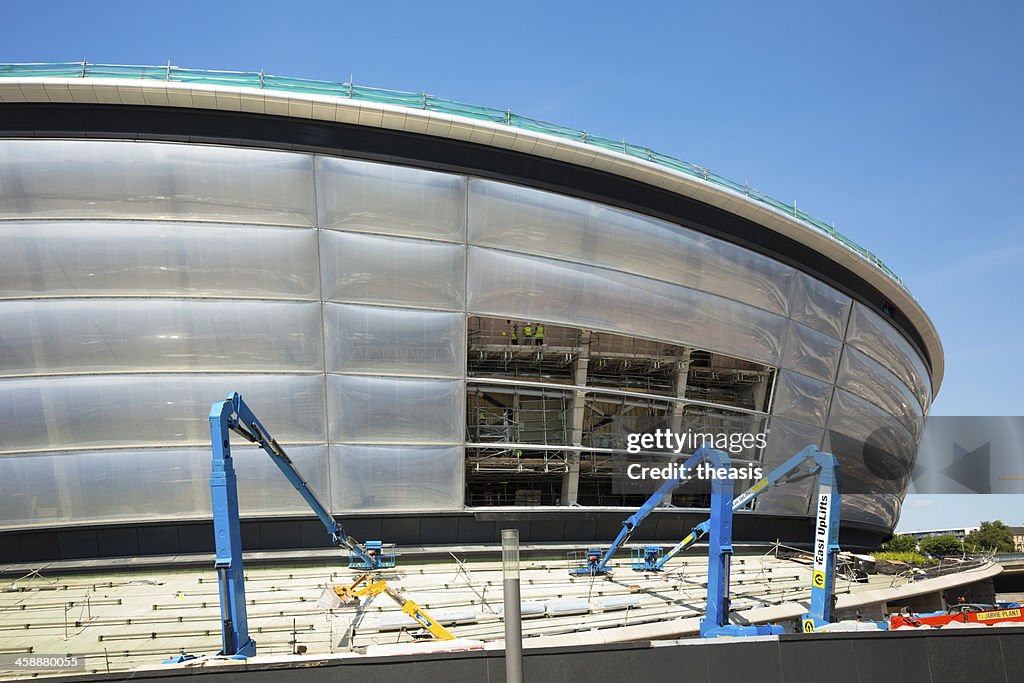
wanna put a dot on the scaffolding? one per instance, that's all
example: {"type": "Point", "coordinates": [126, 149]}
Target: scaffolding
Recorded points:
{"type": "Point", "coordinates": [551, 421]}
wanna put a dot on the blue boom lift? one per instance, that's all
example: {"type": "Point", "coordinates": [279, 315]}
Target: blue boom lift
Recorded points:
{"type": "Point", "coordinates": [597, 561]}
{"type": "Point", "coordinates": [716, 615]}
{"type": "Point", "coordinates": [807, 463]}
{"type": "Point", "coordinates": [233, 415]}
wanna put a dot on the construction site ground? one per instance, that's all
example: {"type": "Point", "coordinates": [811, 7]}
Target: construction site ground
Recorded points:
{"type": "Point", "coordinates": [122, 619]}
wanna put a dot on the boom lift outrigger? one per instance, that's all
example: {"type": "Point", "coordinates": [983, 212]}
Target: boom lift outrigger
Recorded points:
{"type": "Point", "coordinates": [233, 415]}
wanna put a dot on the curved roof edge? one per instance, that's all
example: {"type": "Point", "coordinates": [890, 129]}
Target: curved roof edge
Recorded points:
{"type": "Point", "coordinates": [120, 91]}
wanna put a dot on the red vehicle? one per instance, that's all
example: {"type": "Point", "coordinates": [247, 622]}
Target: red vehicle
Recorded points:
{"type": "Point", "coordinates": [966, 613]}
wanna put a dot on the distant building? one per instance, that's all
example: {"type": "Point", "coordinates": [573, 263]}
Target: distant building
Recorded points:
{"type": "Point", "coordinates": [960, 533]}
{"type": "Point", "coordinates": [1018, 538]}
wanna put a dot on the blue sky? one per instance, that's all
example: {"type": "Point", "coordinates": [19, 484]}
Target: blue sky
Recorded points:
{"type": "Point", "coordinates": [899, 121]}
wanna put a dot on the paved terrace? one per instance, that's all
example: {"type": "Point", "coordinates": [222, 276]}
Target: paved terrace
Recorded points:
{"type": "Point", "coordinates": [137, 616]}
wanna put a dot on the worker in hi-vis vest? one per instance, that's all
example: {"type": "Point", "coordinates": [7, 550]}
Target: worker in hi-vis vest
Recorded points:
{"type": "Point", "coordinates": [538, 335]}
{"type": "Point", "coordinates": [513, 333]}
{"type": "Point", "coordinates": [481, 420]}
{"type": "Point", "coordinates": [528, 333]}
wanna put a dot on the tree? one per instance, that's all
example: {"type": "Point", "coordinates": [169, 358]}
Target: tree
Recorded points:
{"type": "Point", "coordinates": [900, 543]}
{"type": "Point", "coordinates": [992, 536]}
{"type": "Point", "coordinates": [942, 546]}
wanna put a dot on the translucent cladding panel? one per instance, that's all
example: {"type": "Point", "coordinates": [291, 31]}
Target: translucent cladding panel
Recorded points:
{"type": "Point", "coordinates": [810, 353]}
{"type": "Point", "coordinates": [390, 270]}
{"type": "Point", "coordinates": [817, 305]}
{"type": "Point", "coordinates": [262, 487]}
{"type": "Point", "coordinates": [802, 398]}
{"type": "Point", "coordinates": [132, 485]}
{"type": "Point", "coordinates": [114, 179]}
{"type": "Point", "coordinates": [875, 337]}
{"type": "Point", "coordinates": [546, 224]}
{"type": "Point", "coordinates": [875, 451]}
{"type": "Point", "coordinates": [879, 509]}
{"type": "Point", "coordinates": [45, 336]}
{"type": "Point", "coordinates": [394, 341]}
{"type": "Point", "coordinates": [392, 478]}
{"type": "Point", "coordinates": [393, 410]}
{"type": "Point", "coordinates": [106, 486]}
{"type": "Point", "coordinates": [527, 287]}
{"type": "Point", "coordinates": [157, 259]}
{"type": "Point", "coordinates": [368, 197]}
{"type": "Point", "coordinates": [868, 379]}
{"type": "Point", "coordinates": [150, 410]}
{"type": "Point", "coordinates": [786, 438]}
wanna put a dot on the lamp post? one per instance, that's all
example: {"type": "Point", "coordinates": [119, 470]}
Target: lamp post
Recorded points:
{"type": "Point", "coordinates": [512, 608]}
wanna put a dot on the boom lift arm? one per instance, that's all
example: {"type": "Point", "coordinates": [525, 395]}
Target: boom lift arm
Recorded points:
{"type": "Point", "coordinates": [716, 613]}
{"type": "Point", "coordinates": [233, 415]}
{"type": "Point", "coordinates": [826, 528]}
{"type": "Point", "coordinates": [597, 563]}
{"type": "Point", "coordinates": [786, 473]}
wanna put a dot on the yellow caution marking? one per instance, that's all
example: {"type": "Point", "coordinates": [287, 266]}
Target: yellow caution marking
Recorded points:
{"type": "Point", "coordinates": [998, 614]}
{"type": "Point", "coordinates": [808, 625]}
{"type": "Point", "coordinates": [759, 485]}
{"type": "Point", "coordinates": [818, 579]}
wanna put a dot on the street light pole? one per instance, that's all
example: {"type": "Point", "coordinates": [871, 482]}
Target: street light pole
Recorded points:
{"type": "Point", "coordinates": [512, 609]}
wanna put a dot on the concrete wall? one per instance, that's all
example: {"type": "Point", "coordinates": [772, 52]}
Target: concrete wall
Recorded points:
{"type": "Point", "coordinates": [907, 657]}
{"type": "Point", "coordinates": [576, 527]}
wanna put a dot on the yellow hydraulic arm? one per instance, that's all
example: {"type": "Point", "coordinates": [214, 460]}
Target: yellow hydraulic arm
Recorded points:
{"type": "Point", "coordinates": [368, 585]}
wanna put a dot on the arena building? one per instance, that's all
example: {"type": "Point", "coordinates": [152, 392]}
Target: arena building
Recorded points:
{"type": "Point", "coordinates": [370, 270]}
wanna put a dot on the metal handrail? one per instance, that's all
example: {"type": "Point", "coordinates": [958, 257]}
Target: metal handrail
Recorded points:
{"type": "Point", "coordinates": [263, 81]}
{"type": "Point", "coordinates": [945, 567]}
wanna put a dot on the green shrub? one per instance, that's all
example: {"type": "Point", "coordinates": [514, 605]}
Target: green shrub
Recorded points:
{"type": "Point", "coordinates": [900, 543]}
{"type": "Point", "coordinates": [908, 557]}
{"type": "Point", "coordinates": [942, 546]}
{"type": "Point", "coordinates": [992, 536]}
